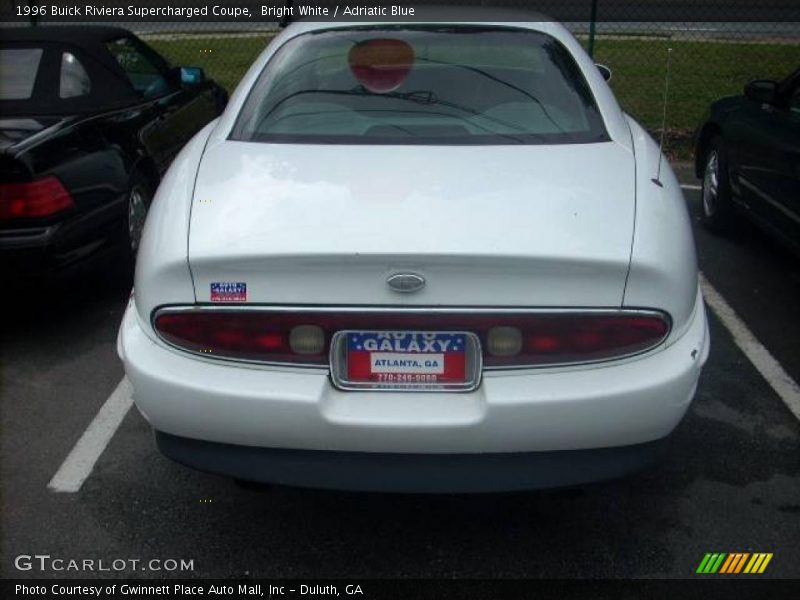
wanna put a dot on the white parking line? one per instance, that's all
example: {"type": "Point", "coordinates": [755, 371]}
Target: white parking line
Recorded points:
{"type": "Point", "coordinates": [762, 360]}
{"type": "Point", "coordinates": [691, 186]}
{"type": "Point", "coordinates": [81, 460]}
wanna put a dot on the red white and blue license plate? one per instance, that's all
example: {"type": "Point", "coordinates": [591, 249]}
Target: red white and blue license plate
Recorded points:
{"type": "Point", "coordinates": [439, 360]}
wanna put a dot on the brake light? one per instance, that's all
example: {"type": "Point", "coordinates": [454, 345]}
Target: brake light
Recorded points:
{"type": "Point", "coordinates": [509, 339]}
{"type": "Point", "coordinates": [39, 198]}
{"type": "Point", "coordinates": [247, 335]}
{"type": "Point", "coordinates": [565, 338]}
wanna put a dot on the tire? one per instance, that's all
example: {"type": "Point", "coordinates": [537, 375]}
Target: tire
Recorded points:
{"type": "Point", "coordinates": [136, 206]}
{"type": "Point", "coordinates": [716, 205]}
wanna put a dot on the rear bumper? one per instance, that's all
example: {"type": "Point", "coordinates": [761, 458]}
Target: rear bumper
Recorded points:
{"type": "Point", "coordinates": [410, 473]}
{"type": "Point", "coordinates": [622, 403]}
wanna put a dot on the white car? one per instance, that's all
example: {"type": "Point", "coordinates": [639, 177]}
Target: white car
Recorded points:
{"type": "Point", "coordinates": [417, 257]}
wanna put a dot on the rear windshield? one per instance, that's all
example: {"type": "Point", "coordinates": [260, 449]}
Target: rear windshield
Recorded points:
{"type": "Point", "coordinates": [18, 70]}
{"type": "Point", "coordinates": [421, 85]}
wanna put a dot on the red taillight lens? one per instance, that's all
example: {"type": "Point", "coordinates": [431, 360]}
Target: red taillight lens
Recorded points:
{"type": "Point", "coordinates": [508, 338]}
{"type": "Point", "coordinates": [243, 335]}
{"type": "Point", "coordinates": [40, 198]}
{"type": "Point", "coordinates": [565, 338]}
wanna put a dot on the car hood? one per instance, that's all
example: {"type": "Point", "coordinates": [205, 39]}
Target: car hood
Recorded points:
{"type": "Point", "coordinates": [517, 225]}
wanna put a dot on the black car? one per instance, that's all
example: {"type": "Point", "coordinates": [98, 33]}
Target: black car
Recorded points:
{"type": "Point", "coordinates": [90, 119]}
{"type": "Point", "coordinates": [748, 155]}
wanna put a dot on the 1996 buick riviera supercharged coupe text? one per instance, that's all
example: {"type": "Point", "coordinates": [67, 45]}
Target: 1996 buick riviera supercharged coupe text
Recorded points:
{"type": "Point", "coordinates": [421, 257]}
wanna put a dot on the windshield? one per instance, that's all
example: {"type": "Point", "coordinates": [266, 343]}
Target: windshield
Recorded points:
{"type": "Point", "coordinates": [421, 85]}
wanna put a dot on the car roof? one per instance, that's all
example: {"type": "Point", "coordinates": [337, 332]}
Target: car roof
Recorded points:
{"type": "Point", "coordinates": [77, 35]}
{"type": "Point", "coordinates": [89, 44]}
{"type": "Point", "coordinates": [488, 16]}
{"type": "Point", "coordinates": [443, 14]}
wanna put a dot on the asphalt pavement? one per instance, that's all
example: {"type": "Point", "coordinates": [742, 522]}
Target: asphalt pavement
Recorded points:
{"type": "Point", "coordinates": [729, 481]}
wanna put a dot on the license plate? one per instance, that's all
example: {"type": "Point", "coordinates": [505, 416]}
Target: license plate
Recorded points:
{"type": "Point", "coordinates": [406, 360]}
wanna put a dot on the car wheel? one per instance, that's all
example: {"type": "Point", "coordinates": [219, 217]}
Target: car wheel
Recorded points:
{"type": "Point", "coordinates": [716, 209]}
{"type": "Point", "coordinates": [138, 202]}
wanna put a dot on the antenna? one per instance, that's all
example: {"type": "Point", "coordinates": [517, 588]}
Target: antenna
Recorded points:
{"type": "Point", "coordinates": [657, 179]}
{"type": "Point", "coordinates": [287, 14]}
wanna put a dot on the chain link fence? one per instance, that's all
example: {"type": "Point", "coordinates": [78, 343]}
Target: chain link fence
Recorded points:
{"type": "Point", "coordinates": [717, 47]}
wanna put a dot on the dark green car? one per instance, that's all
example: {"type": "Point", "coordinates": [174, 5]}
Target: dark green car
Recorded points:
{"type": "Point", "coordinates": [748, 154]}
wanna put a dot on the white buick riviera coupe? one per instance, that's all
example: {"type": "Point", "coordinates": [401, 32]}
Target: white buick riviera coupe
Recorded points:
{"type": "Point", "coordinates": [417, 257]}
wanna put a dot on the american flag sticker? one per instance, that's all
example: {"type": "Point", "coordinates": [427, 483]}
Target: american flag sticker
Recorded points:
{"type": "Point", "coordinates": [228, 291]}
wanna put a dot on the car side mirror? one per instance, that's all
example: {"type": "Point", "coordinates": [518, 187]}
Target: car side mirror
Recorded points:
{"type": "Point", "coordinates": [605, 72]}
{"type": "Point", "coordinates": [192, 75]}
{"type": "Point", "coordinates": [762, 91]}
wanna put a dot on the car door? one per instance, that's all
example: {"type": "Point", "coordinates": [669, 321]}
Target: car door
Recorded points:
{"type": "Point", "coordinates": [175, 111]}
{"type": "Point", "coordinates": [765, 140]}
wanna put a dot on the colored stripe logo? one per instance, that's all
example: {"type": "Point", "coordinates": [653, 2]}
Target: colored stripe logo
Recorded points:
{"type": "Point", "coordinates": [734, 563]}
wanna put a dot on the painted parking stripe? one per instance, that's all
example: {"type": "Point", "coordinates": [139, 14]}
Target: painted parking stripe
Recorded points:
{"type": "Point", "coordinates": [762, 360]}
{"type": "Point", "coordinates": [691, 186]}
{"type": "Point", "coordinates": [81, 460]}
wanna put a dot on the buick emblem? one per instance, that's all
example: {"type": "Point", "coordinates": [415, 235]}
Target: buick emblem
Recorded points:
{"type": "Point", "coordinates": [406, 283]}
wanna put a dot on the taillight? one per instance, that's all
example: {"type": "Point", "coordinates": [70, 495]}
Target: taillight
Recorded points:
{"type": "Point", "coordinates": [39, 198]}
{"type": "Point", "coordinates": [575, 338]}
{"type": "Point", "coordinates": [509, 338]}
{"type": "Point", "coordinates": [247, 335]}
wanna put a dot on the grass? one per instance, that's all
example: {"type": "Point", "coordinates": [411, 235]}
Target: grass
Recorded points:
{"type": "Point", "coordinates": [224, 59]}
{"type": "Point", "coordinates": [702, 71]}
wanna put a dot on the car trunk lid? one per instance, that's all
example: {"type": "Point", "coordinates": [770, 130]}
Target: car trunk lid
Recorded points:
{"type": "Point", "coordinates": [483, 225]}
